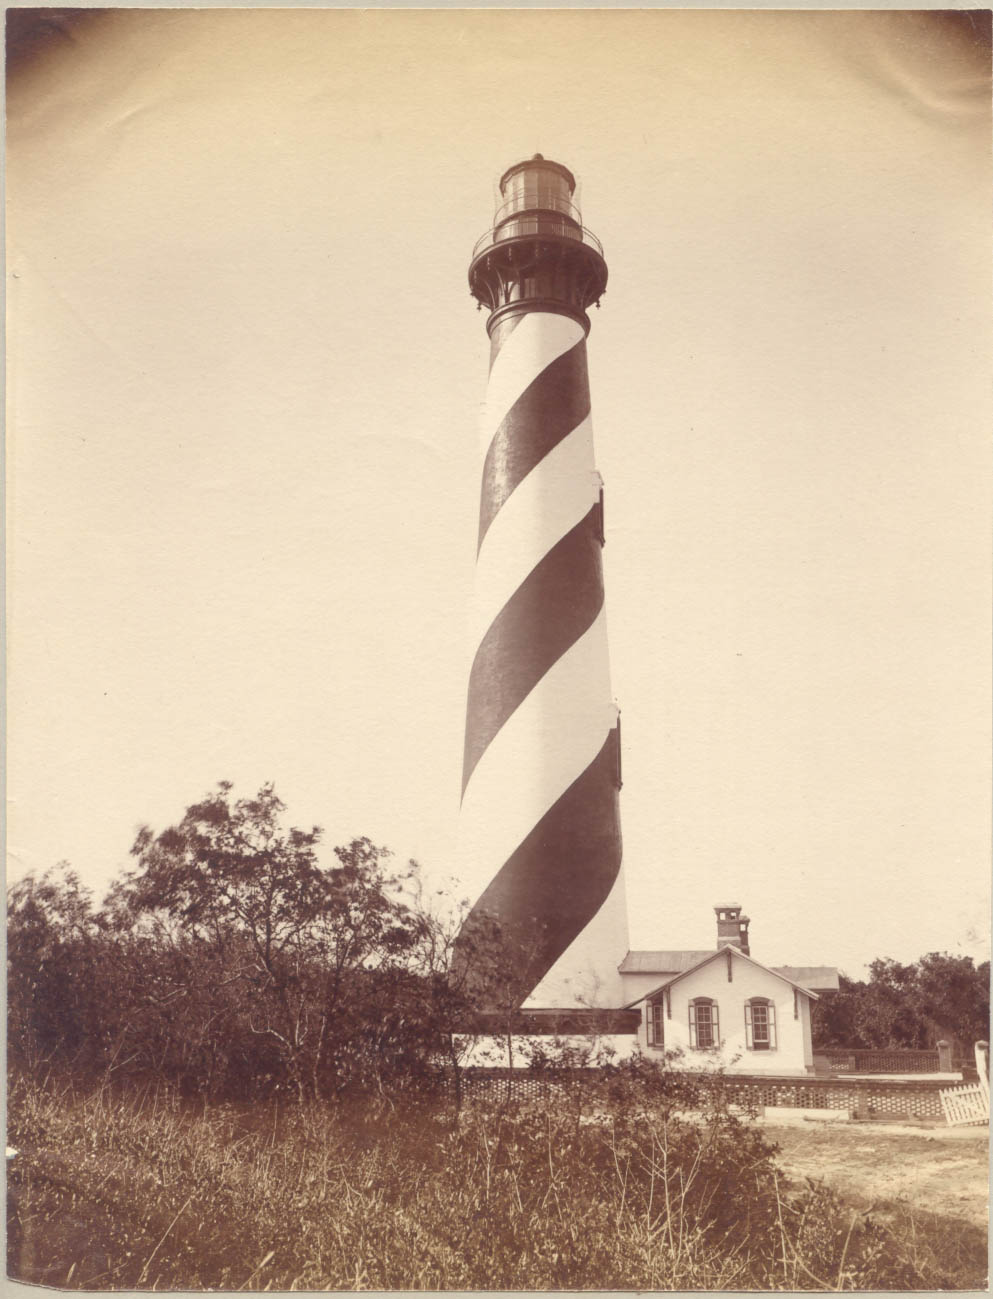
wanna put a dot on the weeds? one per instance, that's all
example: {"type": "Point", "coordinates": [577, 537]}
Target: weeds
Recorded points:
{"type": "Point", "coordinates": [599, 1191]}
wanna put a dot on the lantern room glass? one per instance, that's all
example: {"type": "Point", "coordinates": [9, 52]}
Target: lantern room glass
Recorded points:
{"type": "Point", "coordinates": [537, 188]}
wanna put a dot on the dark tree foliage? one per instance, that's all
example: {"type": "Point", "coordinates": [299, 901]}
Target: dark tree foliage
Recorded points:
{"type": "Point", "coordinates": [231, 961]}
{"type": "Point", "coordinates": [938, 996]}
{"type": "Point", "coordinates": [53, 969]}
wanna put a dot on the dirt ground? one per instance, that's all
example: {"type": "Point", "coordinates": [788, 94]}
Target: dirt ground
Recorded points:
{"type": "Point", "coordinates": [942, 1170]}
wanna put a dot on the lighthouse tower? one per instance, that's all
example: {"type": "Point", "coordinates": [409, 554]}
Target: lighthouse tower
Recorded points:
{"type": "Point", "coordinates": [540, 840]}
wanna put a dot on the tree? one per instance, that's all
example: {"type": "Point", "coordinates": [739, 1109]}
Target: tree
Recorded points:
{"type": "Point", "coordinates": [938, 996]}
{"type": "Point", "coordinates": [335, 972]}
{"type": "Point", "coordinates": [51, 965]}
{"type": "Point", "coordinates": [832, 1017]}
{"type": "Point", "coordinates": [954, 996]}
{"type": "Point", "coordinates": [888, 1012]}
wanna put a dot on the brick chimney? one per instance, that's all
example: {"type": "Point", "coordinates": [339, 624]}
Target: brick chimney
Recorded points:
{"type": "Point", "coordinates": [732, 928]}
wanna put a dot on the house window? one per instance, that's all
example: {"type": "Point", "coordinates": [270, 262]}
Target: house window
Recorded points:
{"type": "Point", "coordinates": [760, 1024]}
{"type": "Point", "coordinates": [704, 1027]}
{"type": "Point", "coordinates": [655, 1016]}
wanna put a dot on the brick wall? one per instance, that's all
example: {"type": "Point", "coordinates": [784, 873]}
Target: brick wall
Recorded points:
{"type": "Point", "coordinates": [515, 1084]}
{"type": "Point", "coordinates": [840, 1059]}
{"type": "Point", "coordinates": [865, 1098]}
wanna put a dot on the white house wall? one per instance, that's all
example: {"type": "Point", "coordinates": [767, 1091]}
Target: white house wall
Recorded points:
{"type": "Point", "coordinates": [808, 1040]}
{"type": "Point", "coordinates": [638, 984]}
{"type": "Point", "coordinates": [793, 1053]}
{"type": "Point", "coordinates": [520, 1051]}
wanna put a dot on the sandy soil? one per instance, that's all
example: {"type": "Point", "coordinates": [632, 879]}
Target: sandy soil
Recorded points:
{"type": "Point", "coordinates": [942, 1170]}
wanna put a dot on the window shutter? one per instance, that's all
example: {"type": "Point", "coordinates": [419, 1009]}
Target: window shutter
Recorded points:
{"type": "Point", "coordinates": [716, 1023]}
{"type": "Point", "coordinates": [692, 1024]}
{"type": "Point", "coordinates": [748, 1025]}
{"type": "Point", "coordinates": [772, 1026]}
{"type": "Point", "coordinates": [653, 1015]}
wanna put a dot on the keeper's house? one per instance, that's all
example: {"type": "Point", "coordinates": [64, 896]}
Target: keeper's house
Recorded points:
{"type": "Point", "coordinates": [722, 1007]}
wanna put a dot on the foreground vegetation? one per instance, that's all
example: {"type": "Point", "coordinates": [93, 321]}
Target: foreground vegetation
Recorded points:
{"type": "Point", "coordinates": [234, 962]}
{"type": "Point", "coordinates": [611, 1187]}
{"type": "Point", "coordinates": [239, 1072]}
{"type": "Point", "coordinates": [239, 959]}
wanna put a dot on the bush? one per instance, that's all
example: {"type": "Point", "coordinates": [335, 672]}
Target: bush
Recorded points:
{"type": "Point", "coordinates": [232, 963]}
{"type": "Point", "coordinates": [149, 1191]}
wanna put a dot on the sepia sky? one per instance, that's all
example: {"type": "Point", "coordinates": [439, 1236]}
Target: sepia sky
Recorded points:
{"type": "Point", "coordinates": [244, 375]}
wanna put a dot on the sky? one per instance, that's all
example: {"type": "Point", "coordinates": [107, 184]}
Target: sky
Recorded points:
{"type": "Point", "coordinates": [244, 376]}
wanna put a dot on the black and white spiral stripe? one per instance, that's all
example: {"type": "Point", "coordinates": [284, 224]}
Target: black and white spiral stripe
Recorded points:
{"type": "Point", "coordinates": [539, 829]}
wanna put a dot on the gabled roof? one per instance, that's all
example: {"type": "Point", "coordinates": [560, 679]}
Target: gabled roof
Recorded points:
{"type": "Point", "coordinates": [661, 962]}
{"type": "Point", "coordinates": [729, 952]}
{"type": "Point", "coordinates": [818, 978]}
{"type": "Point", "coordinates": [812, 978]}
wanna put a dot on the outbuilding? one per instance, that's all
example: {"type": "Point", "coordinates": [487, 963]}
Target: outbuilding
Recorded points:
{"type": "Point", "coordinates": [723, 1008]}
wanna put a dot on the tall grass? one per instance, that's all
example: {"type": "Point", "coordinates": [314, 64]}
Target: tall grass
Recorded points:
{"type": "Point", "coordinates": [145, 1191]}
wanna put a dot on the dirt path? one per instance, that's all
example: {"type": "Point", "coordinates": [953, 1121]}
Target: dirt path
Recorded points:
{"type": "Point", "coordinates": [942, 1170]}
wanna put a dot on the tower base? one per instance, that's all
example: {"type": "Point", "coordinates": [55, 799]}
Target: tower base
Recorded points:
{"type": "Point", "coordinates": [554, 1022]}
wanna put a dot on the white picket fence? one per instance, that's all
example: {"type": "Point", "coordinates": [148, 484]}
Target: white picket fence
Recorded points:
{"type": "Point", "coordinates": [971, 1103]}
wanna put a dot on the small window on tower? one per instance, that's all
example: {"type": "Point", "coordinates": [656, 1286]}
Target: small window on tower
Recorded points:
{"type": "Point", "coordinates": [596, 514]}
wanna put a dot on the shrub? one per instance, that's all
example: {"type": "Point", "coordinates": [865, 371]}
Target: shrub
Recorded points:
{"type": "Point", "coordinates": [150, 1191]}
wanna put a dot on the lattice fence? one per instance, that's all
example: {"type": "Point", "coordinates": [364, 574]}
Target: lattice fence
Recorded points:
{"type": "Point", "coordinates": [840, 1060]}
{"type": "Point", "coordinates": [864, 1098]}
{"type": "Point", "coordinates": [970, 1104]}
{"type": "Point", "coordinates": [965, 1105]}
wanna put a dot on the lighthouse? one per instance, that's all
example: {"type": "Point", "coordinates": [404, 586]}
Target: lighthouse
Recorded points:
{"type": "Point", "coordinates": [539, 828]}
